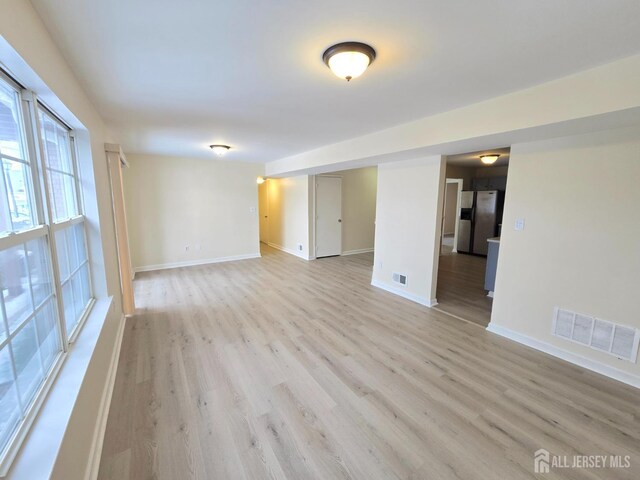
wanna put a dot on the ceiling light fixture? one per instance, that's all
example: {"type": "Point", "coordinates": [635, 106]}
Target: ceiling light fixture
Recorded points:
{"type": "Point", "coordinates": [349, 59]}
{"type": "Point", "coordinates": [260, 180]}
{"type": "Point", "coordinates": [489, 159]}
{"type": "Point", "coordinates": [220, 149]}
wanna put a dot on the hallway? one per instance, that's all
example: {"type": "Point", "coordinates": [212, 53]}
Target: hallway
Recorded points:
{"type": "Point", "coordinates": [461, 288]}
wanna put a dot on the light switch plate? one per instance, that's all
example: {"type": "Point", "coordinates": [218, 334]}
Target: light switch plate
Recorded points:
{"type": "Point", "coordinates": [519, 224]}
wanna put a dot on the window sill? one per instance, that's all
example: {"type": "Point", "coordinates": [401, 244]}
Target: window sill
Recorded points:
{"type": "Point", "coordinates": [39, 451]}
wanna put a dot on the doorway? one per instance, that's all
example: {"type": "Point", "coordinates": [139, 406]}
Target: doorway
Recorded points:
{"type": "Point", "coordinates": [263, 210]}
{"type": "Point", "coordinates": [466, 267]}
{"type": "Point", "coordinates": [328, 216]}
{"type": "Point", "coordinates": [451, 215]}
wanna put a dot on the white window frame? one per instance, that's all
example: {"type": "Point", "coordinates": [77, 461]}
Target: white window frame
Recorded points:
{"type": "Point", "coordinates": [28, 105]}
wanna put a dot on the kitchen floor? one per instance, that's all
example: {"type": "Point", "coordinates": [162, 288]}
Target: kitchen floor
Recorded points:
{"type": "Point", "coordinates": [461, 287]}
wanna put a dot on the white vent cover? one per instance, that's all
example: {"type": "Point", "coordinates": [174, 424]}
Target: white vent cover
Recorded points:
{"type": "Point", "coordinates": [619, 340]}
{"type": "Point", "coordinates": [400, 278]}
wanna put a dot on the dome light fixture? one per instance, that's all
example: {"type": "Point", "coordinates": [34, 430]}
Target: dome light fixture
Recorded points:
{"type": "Point", "coordinates": [349, 59]}
{"type": "Point", "coordinates": [220, 149]}
{"type": "Point", "coordinates": [489, 159]}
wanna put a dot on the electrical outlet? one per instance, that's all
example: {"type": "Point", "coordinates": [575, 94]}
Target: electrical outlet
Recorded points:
{"type": "Point", "coordinates": [300, 247]}
{"type": "Point", "coordinates": [187, 248]}
{"type": "Point", "coordinates": [519, 225]}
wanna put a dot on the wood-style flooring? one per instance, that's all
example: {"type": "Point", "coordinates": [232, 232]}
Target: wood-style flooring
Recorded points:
{"type": "Point", "coordinates": [286, 369]}
{"type": "Point", "coordinates": [460, 288]}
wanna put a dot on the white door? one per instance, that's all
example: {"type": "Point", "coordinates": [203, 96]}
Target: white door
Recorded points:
{"type": "Point", "coordinates": [328, 216]}
{"type": "Point", "coordinates": [263, 210]}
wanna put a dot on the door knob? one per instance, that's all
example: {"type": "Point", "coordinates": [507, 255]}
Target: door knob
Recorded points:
{"type": "Point", "coordinates": [339, 220]}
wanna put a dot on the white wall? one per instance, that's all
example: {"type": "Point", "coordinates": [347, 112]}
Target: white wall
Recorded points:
{"type": "Point", "coordinates": [29, 53]}
{"type": "Point", "coordinates": [408, 211]}
{"type": "Point", "coordinates": [173, 203]}
{"type": "Point", "coordinates": [359, 188]}
{"type": "Point", "coordinates": [289, 213]}
{"type": "Point", "coordinates": [579, 249]}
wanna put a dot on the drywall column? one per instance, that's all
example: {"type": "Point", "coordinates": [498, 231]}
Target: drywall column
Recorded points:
{"type": "Point", "coordinates": [408, 225]}
{"type": "Point", "coordinates": [116, 161]}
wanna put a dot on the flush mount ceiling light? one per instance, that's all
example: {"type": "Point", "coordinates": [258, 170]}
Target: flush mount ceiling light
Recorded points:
{"type": "Point", "coordinates": [220, 149]}
{"type": "Point", "coordinates": [489, 159]}
{"type": "Point", "coordinates": [349, 59]}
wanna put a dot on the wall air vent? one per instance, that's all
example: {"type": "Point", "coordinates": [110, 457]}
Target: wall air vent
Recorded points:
{"type": "Point", "coordinates": [400, 278]}
{"type": "Point", "coordinates": [618, 340]}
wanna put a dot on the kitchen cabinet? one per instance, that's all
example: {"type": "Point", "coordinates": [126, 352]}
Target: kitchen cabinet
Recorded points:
{"type": "Point", "coordinates": [489, 183]}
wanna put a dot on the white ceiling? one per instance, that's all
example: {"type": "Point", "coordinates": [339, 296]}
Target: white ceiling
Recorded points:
{"type": "Point", "coordinates": [472, 159]}
{"type": "Point", "coordinates": [171, 77]}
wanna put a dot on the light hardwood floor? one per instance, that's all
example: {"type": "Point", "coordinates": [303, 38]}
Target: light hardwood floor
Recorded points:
{"type": "Point", "coordinates": [281, 368]}
{"type": "Point", "coordinates": [460, 288]}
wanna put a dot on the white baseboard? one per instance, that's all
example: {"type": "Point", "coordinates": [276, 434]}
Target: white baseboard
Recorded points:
{"type": "Point", "coordinates": [589, 364]}
{"type": "Point", "coordinates": [192, 263]}
{"type": "Point", "coordinates": [355, 252]}
{"type": "Point", "coordinates": [404, 294]}
{"type": "Point", "coordinates": [288, 250]}
{"type": "Point", "coordinates": [105, 403]}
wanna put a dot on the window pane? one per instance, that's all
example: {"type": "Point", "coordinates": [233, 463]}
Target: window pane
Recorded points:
{"type": "Point", "coordinates": [72, 248]}
{"type": "Point", "coordinates": [56, 141]}
{"type": "Point", "coordinates": [11, 142]}
{"type": "Point", "coordinates": [48, 335]}
{"type": "Point", "coordinates": [4, 333]}
{"type": "Point", "coordinates": [63, 195]}
{"type": "Point", "coordinates": [16, 191]}
{"type": "Point", "coordinates": [63, 254]}
{"type": "Point", "coordinates": [86, 286]}
{"type": "Point", "coordinates": [76, 285]}
{"type": "Point", "coordinates": [10, 413]}
{"type": "Point", "coordinates": [27, 359]}
{"type": "Point", "coordinates": [15, 285]}
{"type": "Point", "coordinates": [69, 307]}
{"type": "Point", "coordinates": [40, 273]}
{"type": "Point", "coordinates": [78, 240]}
{"type": "Point", "coordinates": [76, 296]}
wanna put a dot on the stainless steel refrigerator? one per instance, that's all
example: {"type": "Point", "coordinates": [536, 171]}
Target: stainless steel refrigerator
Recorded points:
{"type": "Point", "coordinates": [479, 218]}
{"type": "Point", "coordinates": [465, 226]}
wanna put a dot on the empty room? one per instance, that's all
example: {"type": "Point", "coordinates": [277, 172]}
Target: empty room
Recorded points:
{"type": "Point", "coordinates": [319, 240]}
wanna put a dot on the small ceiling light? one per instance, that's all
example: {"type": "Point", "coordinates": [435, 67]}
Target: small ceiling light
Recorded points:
{"type": "Point", "coordinates": [260, 180]}
{"type": "Point", "coordinates": [489, 159]}
{"type": "Point", "coordinates": [349, 59]}
{"type": "Point", "coordinates": [220, 149]}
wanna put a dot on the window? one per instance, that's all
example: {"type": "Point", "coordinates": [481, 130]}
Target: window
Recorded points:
{"type": "Point", "coordinates": [68, 224]}
{"type": "Point", "coordinates": [45, 288]}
